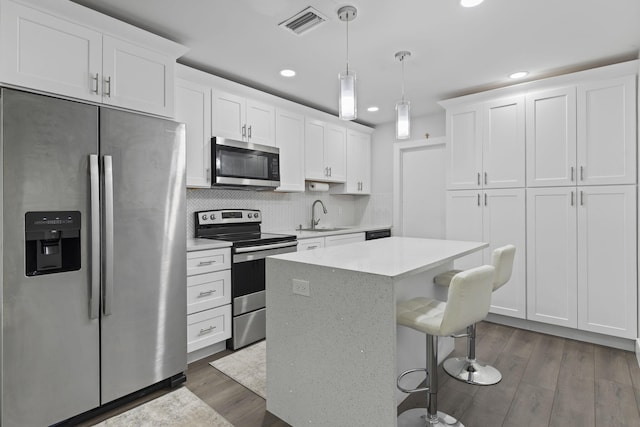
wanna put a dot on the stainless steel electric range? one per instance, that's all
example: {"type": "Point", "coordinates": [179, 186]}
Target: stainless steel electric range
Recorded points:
{"type": "Point", "coordinates": [249, 249]}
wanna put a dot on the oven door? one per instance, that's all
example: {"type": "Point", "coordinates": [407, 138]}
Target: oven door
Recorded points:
{"type": "Point", "coordinates": [248, 274]}
{"type": "Point", "coordinates": [242, 164]}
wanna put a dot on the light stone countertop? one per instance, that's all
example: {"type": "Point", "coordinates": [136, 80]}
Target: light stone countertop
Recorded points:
{"type": "Point", "coordinates": [391, 257]}
{"type": "Point", "coordinates": [203, 244]}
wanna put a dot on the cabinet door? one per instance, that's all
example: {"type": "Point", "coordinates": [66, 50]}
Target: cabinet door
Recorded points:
{"type": "Point", "coordinates": [137, 78]}
{"type": "Point", "coordinates": [228, 115]}
{"type": "Point", "coordinates": [314, 135]}
{"type": "Point", "coordinates": [464, 148]}
{"type": "Point", "coordinates": [310, 244]}
{"type": "Point", "coordinates": [503, 221]}
{"type": "Point", "coordinates": [260, 122]}
{"type": "Point", "coordinates": [45, 53]}
{"type": "Point", "coordinates": [607, 132]}
{"type": "Point", "coordinates": [607, 291]}
{"type": "Point", "coordinates": [551, 256]}
{"type": "Point", "coordinates": [464, 222]}
{"type": "Point", "coordinates": [193, 107]}
{"type": "Point", "coordinates": [290, 141]}
{"type": "Point", "coordinates": [551, 137]}
{"type": "Point", "coordinates": [503, 143]}
{"type": "Point", "coordinates": [335, 153]}
{"type": "Point", "coordinates": [358, 163]}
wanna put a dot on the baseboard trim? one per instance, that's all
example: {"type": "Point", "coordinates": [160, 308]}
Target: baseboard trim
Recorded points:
{"type": "Point", "coordinates": [574, 334]}
{"type": "Point", "coordinates": [206, 351]}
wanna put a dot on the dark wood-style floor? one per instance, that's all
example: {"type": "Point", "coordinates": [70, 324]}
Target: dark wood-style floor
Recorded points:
{"type": "Point", "coordinates": [547, 381]}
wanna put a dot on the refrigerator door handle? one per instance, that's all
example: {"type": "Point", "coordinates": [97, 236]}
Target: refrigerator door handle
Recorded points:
{"type": "Point", "coordinates": [94, 298]}
{"type": "Point", "coordinates": [108, 235]}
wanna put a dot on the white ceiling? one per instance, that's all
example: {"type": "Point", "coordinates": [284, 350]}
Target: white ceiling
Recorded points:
{"type": "Point", "coordinates": [455, 50]}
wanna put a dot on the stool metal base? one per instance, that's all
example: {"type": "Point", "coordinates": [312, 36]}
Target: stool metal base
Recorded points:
{"type": "Point", "coordinates": [418, 418]}
{"type": "Point", "coordinates": [471, 371]}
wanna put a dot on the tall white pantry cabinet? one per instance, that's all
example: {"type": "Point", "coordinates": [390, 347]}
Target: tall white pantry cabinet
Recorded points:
{"type": "Point", "coordinates": [550, 166]}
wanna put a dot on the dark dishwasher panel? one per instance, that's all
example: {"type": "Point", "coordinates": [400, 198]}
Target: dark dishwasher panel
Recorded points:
{"type": "Point", "coordinates": [377, 234]}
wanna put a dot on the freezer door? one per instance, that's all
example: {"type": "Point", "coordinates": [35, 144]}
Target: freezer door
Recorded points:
{"type": "Point", "coordinates": [50, 343]}
{"type": "Point", "coordinates": [144, 251]}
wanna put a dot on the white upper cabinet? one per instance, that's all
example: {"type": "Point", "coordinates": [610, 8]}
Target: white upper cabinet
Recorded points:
{"type": "Point", "coordinates": [607, 132]}
{"type": "Point", "coordinates": [242, 119]}
{"type": "Point", "coordinates": [358, 165]}
{"type": "Point", "coordinates": [137, 78]}
{"type": "Point", "coordinates": [503, 143]}
{"type": "Point", "coordinates": [551, 137]}
{"type": "Point", "coordinates": [464, 147]}
{"type": "Point", "coordinates": [45, 52]}
{"type": "Point", "coordinates": [325, 151]}
{"type": "Point", "coordinates": [486, 144]}
{"type": "Point", "coordinates": [193, 107]}
{"type": "Point", "coordinates": [290, 141]}
{"type": "Point", "coordinates": [582, 135]}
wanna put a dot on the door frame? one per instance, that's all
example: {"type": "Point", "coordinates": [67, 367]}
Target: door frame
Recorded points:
{"type": "Point", "coordinates": [398, 149]}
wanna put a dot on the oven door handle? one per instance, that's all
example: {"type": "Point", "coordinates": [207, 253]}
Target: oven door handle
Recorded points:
{"type": "Point", "coordinates": [265, 247]}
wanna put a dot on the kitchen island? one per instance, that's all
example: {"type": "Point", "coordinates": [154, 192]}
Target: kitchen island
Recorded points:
{"type": "Point", "coordinates": [333, 348]}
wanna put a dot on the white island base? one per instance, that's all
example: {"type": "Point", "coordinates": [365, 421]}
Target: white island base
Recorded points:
{"type": "Point", "coordinates": [333, 356]}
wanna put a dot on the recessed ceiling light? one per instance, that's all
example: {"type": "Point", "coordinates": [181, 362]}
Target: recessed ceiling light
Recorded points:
{"type": "Point", "coordinates": [373, 109]}
{"type": "Point", "coordinates": [287, 73]}
{"type": "Point", "coordinates": [470, 3]}
{"type": "Point", "coordinates": [518, 75]}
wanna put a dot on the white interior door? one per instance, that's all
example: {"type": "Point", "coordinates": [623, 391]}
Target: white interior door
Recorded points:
{"type": "Point", "coordinates": [419, 189]}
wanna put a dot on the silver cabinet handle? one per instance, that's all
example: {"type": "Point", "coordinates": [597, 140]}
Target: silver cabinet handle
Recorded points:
{"type": "Point", "coordinates": [206, 293]}
{"type": "Point", "coordinates": [485, 178]}
{"type": "Point", "coordinates": [95, 87]}
{"type": "Point", "coordinates": [94, 298]}
{"type": "Point", "coordinates": [572, 198]}
{"type": "Point", "coordinates": [478, 199]}
{"type": "Point", "coordinates": [581, 198]}
{"type": "Point", "coordinates": [207, 330]}
{"type": "Point", "coordinates": [478, 178]}
{"type": "Point", "coordinates": [203, 263]}
{"type": "Point", "coordinates": [326, 171]}
{"type": "Point", "coordinates": [571, 173]}
{"type": "Point", "coordinates": [244, 130]}
{"type": "Point", "coordinates": [107, 92]}
{"type": "Point", "coordinates": [581, 173]}
{"type": "Point", "coordinates": [108, 235]}
{"type": "Point", "coordinates": [249, 132]}
{"type": "Point", "coordinates": [330, 171]}
{"type": "Point", "coordinates": [311, 247]}
{"type": "Point", "coordinates": [485, 199]}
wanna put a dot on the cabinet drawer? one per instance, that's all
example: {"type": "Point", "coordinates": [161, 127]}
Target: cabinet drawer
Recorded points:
{"type": "Point", "coordinates": [343, 239]}
{"type": "Point", "coordinates": [309, 244]}
{"type": "Point", "coordinates": [210, 290]}
{"type": "Point", "coordinates": [199, 262]}
{"type": "Point", "coordinates": [208, 327]}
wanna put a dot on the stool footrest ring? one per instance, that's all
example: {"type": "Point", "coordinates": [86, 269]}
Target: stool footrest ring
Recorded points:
{"type": "Point", "coordinates": [413, 390]}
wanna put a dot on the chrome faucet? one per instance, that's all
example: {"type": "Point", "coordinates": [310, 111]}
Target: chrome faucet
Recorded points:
{"type": "Point", "coordinates": [315, 221]}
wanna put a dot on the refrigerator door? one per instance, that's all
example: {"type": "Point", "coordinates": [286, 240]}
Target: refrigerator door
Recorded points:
{"type": "Point", "coordinates": [144, 251]}
{"type": "Point", "coordinates": [50, 343]}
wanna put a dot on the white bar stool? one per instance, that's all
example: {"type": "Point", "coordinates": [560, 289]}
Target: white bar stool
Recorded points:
{"type": "Point", "coordinates": [468, 369]}
{"type": "Point", "coordinates": [468, 302]}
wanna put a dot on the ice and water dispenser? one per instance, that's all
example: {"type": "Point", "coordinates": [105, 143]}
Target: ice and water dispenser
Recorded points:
{"type": "Point", "coordinates": [52, 242]}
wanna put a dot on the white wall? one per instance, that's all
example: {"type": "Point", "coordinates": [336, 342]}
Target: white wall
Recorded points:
{"type": "Point", "coordinates": [378, 208]}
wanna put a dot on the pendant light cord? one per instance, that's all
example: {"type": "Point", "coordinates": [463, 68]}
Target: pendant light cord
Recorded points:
{"type": "Point", "coordinates": [402, 62]}
{"type": "Point", "coordinates": [347, 47]}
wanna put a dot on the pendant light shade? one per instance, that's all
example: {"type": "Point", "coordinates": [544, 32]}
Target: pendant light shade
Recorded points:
{"type": "Point", "coordinates": [347, 103]}
{"type": "Point", "coordinates": [403, 110]}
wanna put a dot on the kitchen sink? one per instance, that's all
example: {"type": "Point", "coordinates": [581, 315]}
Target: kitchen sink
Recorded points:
{"type": "Point", "coordinates": [321, 229]}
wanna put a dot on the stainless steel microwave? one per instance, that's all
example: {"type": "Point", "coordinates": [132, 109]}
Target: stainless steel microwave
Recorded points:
{"type": "Point", "coordinates": [244, 165]}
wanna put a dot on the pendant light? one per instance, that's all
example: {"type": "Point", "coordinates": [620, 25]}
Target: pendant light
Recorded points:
{"type": "Point", "coordinates": [403, 121]}
{"type": "Point", "coordinates": [347, 104]}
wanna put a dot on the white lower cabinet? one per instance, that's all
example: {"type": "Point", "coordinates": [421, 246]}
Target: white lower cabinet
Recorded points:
{"type": "Point", "coordinates": [208, 297]}
{"type": "Point", "coordinates": [497, 217]}
{"type": "Point", "coordinates": [333, 240]}
{"type": "Point", "coordinates": [581, 257]}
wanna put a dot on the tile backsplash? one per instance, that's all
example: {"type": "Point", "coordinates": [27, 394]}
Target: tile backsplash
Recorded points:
{"type": "Point", "coordinates": [285, 211]}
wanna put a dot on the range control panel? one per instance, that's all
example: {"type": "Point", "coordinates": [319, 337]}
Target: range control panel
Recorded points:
{"type": "Point", "coordinates": [228, 216]}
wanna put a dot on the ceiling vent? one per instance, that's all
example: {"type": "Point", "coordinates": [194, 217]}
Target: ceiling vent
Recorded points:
{"type": "Point", "coordinates": [304, 21]}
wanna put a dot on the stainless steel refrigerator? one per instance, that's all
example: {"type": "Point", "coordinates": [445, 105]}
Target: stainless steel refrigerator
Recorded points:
{"type": "Point", "coordinates": [93, 256]}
